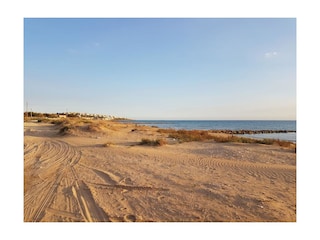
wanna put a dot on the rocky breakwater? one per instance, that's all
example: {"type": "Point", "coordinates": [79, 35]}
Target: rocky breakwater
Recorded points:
{"type": "Point", "coordinates": [251, 131]}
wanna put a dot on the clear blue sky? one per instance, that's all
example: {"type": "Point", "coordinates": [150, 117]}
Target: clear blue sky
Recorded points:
{"type": "Point", "coordinates": [162, 68]}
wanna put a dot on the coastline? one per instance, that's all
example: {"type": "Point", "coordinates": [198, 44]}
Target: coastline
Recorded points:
{"type": "Point", "coordinates": [289, 125]}
{"type": "Point", "coordinates": [109, 176]}
{"type": "Point", "coordinates": [255, 129]}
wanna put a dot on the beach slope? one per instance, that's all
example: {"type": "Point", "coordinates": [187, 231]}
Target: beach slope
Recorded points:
{"type": "Point", "coordinates": [101, 173]}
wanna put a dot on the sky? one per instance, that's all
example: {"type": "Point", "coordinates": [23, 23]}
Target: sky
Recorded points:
{"type": "Point", "coordinates": [165, 68]}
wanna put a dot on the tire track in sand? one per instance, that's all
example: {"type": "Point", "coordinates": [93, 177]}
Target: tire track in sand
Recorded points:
{"type": "Point", "coordinates": [49, 159]}
{"type": "Point", "coordinates": [54, 159]}
{"type": "Point", "coordinates": [114, 182]}
{"type": "Point", "coordinates": [89, 209]}
{"type": "Point", "coordinates": [285, 173]}
{"type": "Point", "coordinates": [117, 188]}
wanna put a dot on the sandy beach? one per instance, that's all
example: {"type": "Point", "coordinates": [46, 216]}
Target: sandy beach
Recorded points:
{"type": "Point", "coordinates": [104, 175]}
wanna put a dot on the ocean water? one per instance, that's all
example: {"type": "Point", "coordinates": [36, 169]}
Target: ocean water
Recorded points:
{"type": "Point", "coordinates": [229, 125]}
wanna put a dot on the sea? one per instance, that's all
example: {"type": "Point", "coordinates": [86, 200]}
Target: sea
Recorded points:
{"type": "Point", "coordinates": [230, 125]}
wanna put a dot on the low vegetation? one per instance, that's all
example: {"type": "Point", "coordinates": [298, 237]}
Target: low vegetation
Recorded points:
{"type": "Point", "coordinates": [108, 144]}
{"type": "Point", "coordinates": [187, 135]}
{"type": "Point", "coordinates": [69, 125]}
{"type": "Point", "coordinates": [201, 135]}
{"type": "Point", "coordinates": [73, 125]}
{"type": "Point", "coordinates": [66, 126]}
{"type": "Point", "coordinates": [149, 142]}
{"type": "Point", "coordinates": [96, 126]}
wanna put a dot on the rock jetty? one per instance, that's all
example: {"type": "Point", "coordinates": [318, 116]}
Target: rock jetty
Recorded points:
{"type": "Point", "coordinates": [250, 131]}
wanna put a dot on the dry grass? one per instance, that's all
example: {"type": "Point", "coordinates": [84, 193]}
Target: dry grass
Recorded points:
{"type": "Point", "coordinates": [200, 135]}
{"type": "Point", "coordinates": [72, 125]}
{"type": "Point", "coordinates": [108, 144]}
{"type": "Point", "coordinates": [96, 126]}
{"type": "Point", "coordinates": [187, 135]}
{"type": "Point", "coordinates": [149, 142]}
{"type": "Point", "coordinates": [67, 126]}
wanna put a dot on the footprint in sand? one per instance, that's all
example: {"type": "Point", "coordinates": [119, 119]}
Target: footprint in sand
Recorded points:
{"type": "Point", "coordinates": [130, 218]}
{"type": "Point", "coordinates": [126, 181]}
{"type": "Point", "coordinates": [107, 177]}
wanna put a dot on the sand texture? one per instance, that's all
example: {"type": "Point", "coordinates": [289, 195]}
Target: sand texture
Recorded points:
{"type": "Point", "coordinates": [102, 175]}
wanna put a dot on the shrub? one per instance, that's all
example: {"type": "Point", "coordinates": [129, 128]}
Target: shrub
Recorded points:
{"type": "Point", "coordinates": [65, 130]}
{"type": "Point", "coordinates": [157, 142]}
{"type": "Point", "coordinates": [198, 135]}
{"type": "Point", "coordinates": [96, 126]}
{"type": "Point", "coordinates": [187, 135]}
{"type": "Point", "coordinates": [66, 126]}
{"type": "Point", "coordinates": [108, 144]}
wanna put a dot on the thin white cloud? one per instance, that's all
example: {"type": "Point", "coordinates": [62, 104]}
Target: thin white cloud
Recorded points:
{"type": "Point", "coordinates": [271, 54]}
{"type": "Point", "coordinates": [96, 44]}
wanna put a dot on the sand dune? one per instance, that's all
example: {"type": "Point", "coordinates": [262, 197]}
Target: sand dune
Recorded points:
{"type": "Point", "coordinates": [80, 178]}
